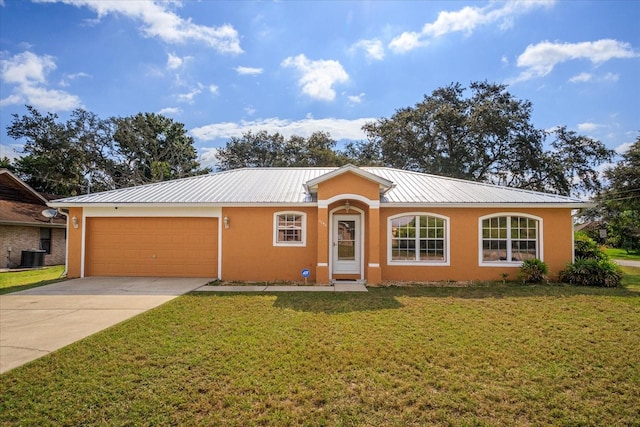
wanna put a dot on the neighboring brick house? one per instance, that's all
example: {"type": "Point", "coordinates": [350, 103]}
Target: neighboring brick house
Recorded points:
{"type": "Point", "coordinates": [23, 227]}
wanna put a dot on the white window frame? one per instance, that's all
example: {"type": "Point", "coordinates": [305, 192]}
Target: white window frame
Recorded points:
{"type": "Point", "coordinates": [506, 263]}
{"type": "Point", "coordinates": [423, 263]}
{"type": "Point", "coordinates": [303, 242]}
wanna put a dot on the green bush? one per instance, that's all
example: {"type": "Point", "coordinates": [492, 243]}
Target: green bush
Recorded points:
{"type": "Point", "coordinates": [586, 247]}
{"type": "Point", "coordinates": [592, 272]}
{"type": "Point", "coordinates": [533, 270]}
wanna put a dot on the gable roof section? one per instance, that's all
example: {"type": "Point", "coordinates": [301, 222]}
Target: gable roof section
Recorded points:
{"type": "Point", "coordinates": [22, 205]}
{"type": "Point", "coordinates": [385, 185]}
{"type": "Point", "coordinates": [281, 186]}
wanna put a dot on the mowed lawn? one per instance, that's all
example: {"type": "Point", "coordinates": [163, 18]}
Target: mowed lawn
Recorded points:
{"type": "Point", "coordinates": [482, 355]}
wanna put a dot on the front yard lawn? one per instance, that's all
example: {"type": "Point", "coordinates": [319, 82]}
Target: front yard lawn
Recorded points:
{"type": "Point", "coordinates": [615, 253]}
{"type": "Point", "coordinates": [12, 281]}
{"type": "Point", "coordinates": [482, 355]}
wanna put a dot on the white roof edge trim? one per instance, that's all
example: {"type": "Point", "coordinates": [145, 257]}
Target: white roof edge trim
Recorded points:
{"type": "Point", "coordinates": [179, 205]}
{"type": "Point", "coordinates": [540, 205]}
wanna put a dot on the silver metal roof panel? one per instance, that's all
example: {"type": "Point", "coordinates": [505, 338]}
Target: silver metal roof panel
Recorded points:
{"type": "Point", "coordinates": [287, 186]}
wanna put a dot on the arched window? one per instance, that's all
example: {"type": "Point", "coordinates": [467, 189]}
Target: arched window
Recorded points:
{"type": "Point", "coordinates": [509, 239]}
{"type": "Point", "coordinates": [289, 229]}
{"type": "Point", "coordinates": [418, 238]}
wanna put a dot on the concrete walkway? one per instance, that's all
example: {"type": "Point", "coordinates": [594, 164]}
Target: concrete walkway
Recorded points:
{"type": "Point", "coordinates": [627, 262]}
{"type": "Point", "coordinates": [37, 321]}
{"type": "Point", "coordinates": [338, 287]}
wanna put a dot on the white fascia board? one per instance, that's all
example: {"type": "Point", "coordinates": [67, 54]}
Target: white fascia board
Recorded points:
{"type": "Point", "coordinates": [152, 211]}
{"type": "Point", "coordinates": [570, 205]}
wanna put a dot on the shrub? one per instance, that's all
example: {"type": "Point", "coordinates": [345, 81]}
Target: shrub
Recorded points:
{"type": "Point", "coordinates": [592, 272]}
{"type": "Point", "coordinates": [533, 270]}
{"type": "Point", "coordinates": [586, 247]}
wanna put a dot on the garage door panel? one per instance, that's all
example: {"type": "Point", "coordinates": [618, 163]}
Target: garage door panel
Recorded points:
{"type": "Point", "coordinates": [151, 247]}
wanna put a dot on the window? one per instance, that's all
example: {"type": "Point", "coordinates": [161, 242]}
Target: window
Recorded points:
{"type": "Point", "coordinates": [509, 239]}
{"type": "Point", "coordinates": [289, 229]}
{"type": "Point", "coordinates": [45, 239]}
{"type": "Point", "coordinates": [418, 238]}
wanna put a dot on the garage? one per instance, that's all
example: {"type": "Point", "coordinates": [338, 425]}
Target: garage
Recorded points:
{"type": "Point", "coordinates": [151, 246]}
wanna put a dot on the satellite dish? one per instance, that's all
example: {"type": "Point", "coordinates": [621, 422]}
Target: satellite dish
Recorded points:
{"type": "Point", "coordinates": [50, 213]}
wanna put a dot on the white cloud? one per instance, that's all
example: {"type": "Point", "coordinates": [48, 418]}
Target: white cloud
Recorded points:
{"type": "Point", "coordinates": [338, 128]}
{"type": "Point", "coordinates": [406, 42]}
{"type": "Point", "coordinates": [373, 48]}
{"type": "Point", "coordinates": [540, 59]}
{"type": "Point", "coordinates": [465, 20]}
{"type": "Point", "coordinates": [65, 81]}
{"type": "Point", "coordinates": [173, 62]}
{"type": "Point", "coordinates": [27, 72]}
{"type": "Point", "coordinates": [318, 77]}
{"type": "Point", "coordinates": [158, 21]}
{"type": "Point", "coordinates": [209, 157]}
{"type": "Point", "coordinates": [248, 71]}
{"type": "Point", "coordinates": [170, 111]}
{"type": "Point", "coordinates": [27, 68]}
{"type": "Point", "coordinates": [588, 127]}
{"type": "Point", "coordinates": [623, 148]}
{"type": "Point", "coordinates": [611, 77]}
{"type": "Point", "coordinates": [214, 89]}
{"type": "Point", "coordinates": [250, 111]}
{"type": "Point", "coordinates": [356, 99]}
{"type": "Point", "coordinates": [581, 78]}
{"type": "Point", "coordinates": [189, 96]}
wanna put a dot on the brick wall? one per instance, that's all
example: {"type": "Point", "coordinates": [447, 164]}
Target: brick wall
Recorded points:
{"type": "Point", "coordinates": [22, 238]}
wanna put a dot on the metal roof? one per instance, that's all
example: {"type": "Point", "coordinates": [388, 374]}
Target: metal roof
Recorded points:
{"type": "Point", "coordinates": [287, 186]}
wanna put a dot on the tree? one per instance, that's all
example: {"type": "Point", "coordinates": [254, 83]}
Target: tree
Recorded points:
{"type": "Point", "coordinates": [88, 154]}
{"type": "Point", "coordinates": [149, 148]}
{"type": "Point", "coordinates": [620, 201]}
{"type": "Point", "coordinates": [53, 161]}
{"type": "Point", "coordinates": [262, 149]}
{"type": "Point", "coordinates": [486, 137]}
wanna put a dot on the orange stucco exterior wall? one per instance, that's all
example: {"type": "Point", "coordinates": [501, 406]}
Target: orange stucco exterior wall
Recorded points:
{"type": "Point", "coordinates": [464, 240]}
{"type": "Point", "coordinates": [248, 252]}
{"type": "Point", "coordinates": [74, 240]}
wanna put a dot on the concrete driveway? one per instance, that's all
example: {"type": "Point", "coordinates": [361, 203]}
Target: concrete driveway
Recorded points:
{"type": "Point", "coordinates": [38, 321]}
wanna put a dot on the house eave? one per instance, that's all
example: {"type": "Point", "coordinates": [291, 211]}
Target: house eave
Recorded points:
{"type": "Point", "coordinates": [33, 224]}
{"type": "Point", "coordinates": [510, 205]}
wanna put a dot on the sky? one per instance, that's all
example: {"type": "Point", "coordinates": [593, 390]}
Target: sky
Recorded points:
{"type": "Point", "coordinates": [295, 67]}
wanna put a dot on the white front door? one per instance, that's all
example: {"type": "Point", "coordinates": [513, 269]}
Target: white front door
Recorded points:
{"type": "Point", "coordinates": [346, 242]}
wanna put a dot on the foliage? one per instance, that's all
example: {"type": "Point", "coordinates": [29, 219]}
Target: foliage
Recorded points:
{"type": "Point", "coordinates": [619, 203]}
{"type": "Point", "coordinates": [153, 148]}
{"type": "Point", "coordinates": [486, 137]}
{"type": "Point", "coordinates": [89, 154]}
{"type": "Point", "coordinates": [493, 355]}
{"type": "Point", "coordinates": [592, 272]}
{"type": "Point", "coordinates": [262, 149]}
{"type": "Point", "coordinates": [533, 270]}
{"type": "Point", "coordinates": [586, 247]}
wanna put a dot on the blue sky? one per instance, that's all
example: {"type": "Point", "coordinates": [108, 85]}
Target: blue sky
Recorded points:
{"type": "Point", "coordinates": [295, 67]}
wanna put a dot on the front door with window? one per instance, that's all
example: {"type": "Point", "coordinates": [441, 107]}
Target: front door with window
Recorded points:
{"type": "Point", "coordinates": [346, 242]}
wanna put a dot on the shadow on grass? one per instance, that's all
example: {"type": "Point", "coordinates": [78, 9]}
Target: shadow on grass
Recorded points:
{"type": "Point", "coordinates": [387, 298]}
{"type": "Point", "coordinates": [18, 288]}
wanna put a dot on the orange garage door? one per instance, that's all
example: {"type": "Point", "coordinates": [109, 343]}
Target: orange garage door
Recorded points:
{"type": "Point", "coordinates": [159, 247]}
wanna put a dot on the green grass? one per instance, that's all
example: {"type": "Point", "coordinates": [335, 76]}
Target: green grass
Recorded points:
{"type": "Point", "coordinates": [19, 280]}
{"type": "Point", "coordinates": [615, 253]}
{"type": "Point", "coordinates": [483, 355]}
{"type": "Point", "coordinates": [631, 277]}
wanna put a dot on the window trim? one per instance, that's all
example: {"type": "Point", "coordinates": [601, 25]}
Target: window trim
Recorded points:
{"type": "Point", "coordinates": [539, 239]}
{"type": "Point", "coordinates": [424, 263]}
{"type": "Point", "coordinates": [300, 244]}
{"type": "Point", "coordinates": [48, 240]}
